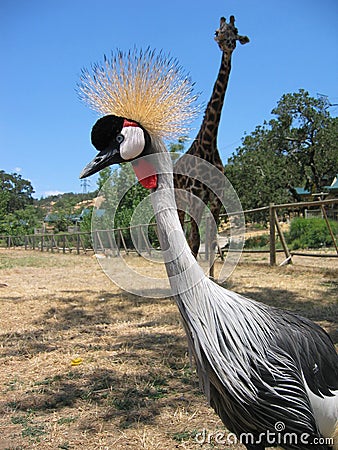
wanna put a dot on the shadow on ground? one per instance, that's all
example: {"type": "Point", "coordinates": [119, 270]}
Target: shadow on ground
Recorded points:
{"type": "Point", "coordinates": [157, 372]}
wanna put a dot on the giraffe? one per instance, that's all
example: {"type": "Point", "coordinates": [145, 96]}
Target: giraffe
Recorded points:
{"type": "Point", "coordinates": [205, 146]}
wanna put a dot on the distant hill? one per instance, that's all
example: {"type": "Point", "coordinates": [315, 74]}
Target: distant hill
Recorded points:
{"type": "Point", "coordinates": [66, 201]}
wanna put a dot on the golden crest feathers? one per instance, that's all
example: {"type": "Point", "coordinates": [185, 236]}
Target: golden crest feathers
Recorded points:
{"type": "Point", "coordinates": [147, 88]}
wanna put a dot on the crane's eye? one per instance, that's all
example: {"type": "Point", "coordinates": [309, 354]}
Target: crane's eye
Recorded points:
{"type": "Point", "coordinates": [120, 138]}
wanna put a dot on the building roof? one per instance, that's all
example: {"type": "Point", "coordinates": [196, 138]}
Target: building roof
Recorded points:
{"type": "Point", "coordinates": [333, 188]}
{"type": "Point", "coordinates": [334, 184]}
{"type": "Point", "coordinates": [302, 191]}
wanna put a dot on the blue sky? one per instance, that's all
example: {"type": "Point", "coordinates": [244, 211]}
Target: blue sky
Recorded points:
{"type": "Point", "coordinates": [45, 129]}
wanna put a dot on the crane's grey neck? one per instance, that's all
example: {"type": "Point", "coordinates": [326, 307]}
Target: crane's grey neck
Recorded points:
{"type": "Point", "coordinates": [183, 271]}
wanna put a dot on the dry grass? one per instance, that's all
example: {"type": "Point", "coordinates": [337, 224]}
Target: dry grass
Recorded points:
{"type": "Point", "coordinates": [134, 387]}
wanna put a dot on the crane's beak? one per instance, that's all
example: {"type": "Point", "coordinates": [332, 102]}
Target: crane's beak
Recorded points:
{"type": "Point", "coordinates": [105, 158]}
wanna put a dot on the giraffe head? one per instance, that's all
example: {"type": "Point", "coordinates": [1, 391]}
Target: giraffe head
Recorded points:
{"type": "Point", "coordinates": [227, 35]}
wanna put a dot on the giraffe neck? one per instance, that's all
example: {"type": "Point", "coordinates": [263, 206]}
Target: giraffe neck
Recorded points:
{"type": "Point", "coordinates": [209, 128]}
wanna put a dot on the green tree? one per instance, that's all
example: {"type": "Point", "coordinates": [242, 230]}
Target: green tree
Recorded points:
{"type": "Point", "coordinates": [86, 220]}
{"type": "Point", "coordinates": [177, 148]}
{"type": "Point", "coordinates": [259, 174]}
{"type": "Point", "coordinates": [17, 215]}
{"type": "Point", "coordinates": [308, 136]}
{"type": "Point", "coordinates": [15, 192]}
{"type": "Point", "coordinates": [122, 194]}
{"type": "Point", "coordinates": [298, 148]}
{"type": "Point", "coordinates": [104, 176]}
{"type": "Point", "coordinates": [21, 221]}
{"type": "Point", "coordinates": [63, 210]}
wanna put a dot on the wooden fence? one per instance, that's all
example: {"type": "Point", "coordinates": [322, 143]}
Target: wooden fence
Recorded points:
{"type": "Point", "coordinates": [62, 242]}
{"type": "Point", "coordinates": [105, 241]}
{"type": "Point", "coordinates": [112, 241]}
{"type": "Point", "coordinates": [274, 227]}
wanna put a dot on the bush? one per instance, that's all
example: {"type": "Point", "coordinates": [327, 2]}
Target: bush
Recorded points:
{"type": "Point", "coordinates": [310, 233]}
{"type": "Point", "coordinates": [257, 241]}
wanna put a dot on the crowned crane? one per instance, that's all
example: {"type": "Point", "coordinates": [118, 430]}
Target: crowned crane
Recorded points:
{"type": "Point", "coordinates": [266, 372]}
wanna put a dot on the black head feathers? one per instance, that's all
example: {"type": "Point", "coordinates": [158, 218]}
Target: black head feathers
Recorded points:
{"type": "Point", "coordinates": [104, 130]}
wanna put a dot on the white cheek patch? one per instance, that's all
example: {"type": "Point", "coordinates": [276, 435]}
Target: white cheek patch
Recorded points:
{"type": "Point", "coordinates": [133, 144]}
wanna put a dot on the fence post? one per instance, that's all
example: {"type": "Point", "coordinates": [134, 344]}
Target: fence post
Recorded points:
{"type": "Point", "coordinates": [100, 243]}
{"type": "Point", "coordinates": [329, 227]}
{"type": "Point", "coordinates": [118, 243]}
{"type": "Point", "coordinates": [207, 239]}
{"type": "Point", "coordinates": [82, 244]}
{"type": "Point", "coordinates": [110, 240]}
{"type": "Point", "coordinates": [272, 235]}
{"type": "Point", "coordinates": [283, 241]}
{"type": "Point", "coordinates": [94, 238]}
{"type": "Point", "coordinates": [139, 243]}
{"type": "Point", "coordinates": [123, 241]}
{"type": "Point", "coordinates": [145, 240]}
{"type": "Point", "coordinates": [78, 243]}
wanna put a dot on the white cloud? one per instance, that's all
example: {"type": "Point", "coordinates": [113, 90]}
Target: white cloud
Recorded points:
{"type": "Point", "coordinates": [17, 169]}
{"type": "Point", "coordinates": [48, 193]}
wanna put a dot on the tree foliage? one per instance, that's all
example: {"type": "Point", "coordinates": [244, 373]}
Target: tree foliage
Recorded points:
{"type": "Point", "coordinates": [297, 148]}
{"type": "Point", "coordinates": [258, 174]}
{"type": "Point", "coordinates": [103, 177]}
{"type": "Point", "coordinates": [177, 148]}
{"type": "Point", "coordinates": [308, 136]}
{"type": "Point", "coordinates": [15, 192]}
{"type": "Point", "coordinates": [122, 194]}
{"type": "Point", "coordinates": [21, 221]}
{"type": "Point", "coordinates": [17, 214]}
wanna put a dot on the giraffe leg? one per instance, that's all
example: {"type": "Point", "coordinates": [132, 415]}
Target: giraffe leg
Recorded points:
{"type": "Point", "coordinates": [215, 208]}
{"type": "Point", "coordinates": [181, 203]}
{"type": "Point", "coordinates": [212, 245]}
{"type": "Point", "coordinates": [181, 216]}
{"type": "Point", "coordinates": [196, 212]}
{"type": "Point", "coordinates": [194, 239]}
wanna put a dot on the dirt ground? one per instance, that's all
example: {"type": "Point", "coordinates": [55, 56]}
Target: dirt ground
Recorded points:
{"type": "Point", "coordinates": [85, 365]}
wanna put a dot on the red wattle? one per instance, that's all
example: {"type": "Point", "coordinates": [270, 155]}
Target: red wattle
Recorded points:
{"type": "Point", "coordinates": [129, 123]}
{"type": "Point", "coordinates": [145, 173]}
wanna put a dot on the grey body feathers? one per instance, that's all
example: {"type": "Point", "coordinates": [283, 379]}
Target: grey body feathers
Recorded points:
{"type": "Point", "coordinates": [253, 361]}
